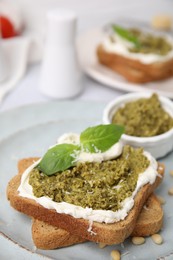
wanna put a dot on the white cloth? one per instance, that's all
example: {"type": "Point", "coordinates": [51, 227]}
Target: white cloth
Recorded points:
{"type": "Point", "coordinates": [17, 53]}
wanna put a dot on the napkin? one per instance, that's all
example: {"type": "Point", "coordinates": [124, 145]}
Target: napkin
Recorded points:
{"type": "Point", "coordinates": [18, 53]}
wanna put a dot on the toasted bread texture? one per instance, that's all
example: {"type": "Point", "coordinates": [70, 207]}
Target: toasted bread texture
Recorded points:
{"type": "Point", "coordinates": [134, 70]}
{"type": "Point", "coordinates": [46, 236]}
{"type": "Point", "coordinates": [150, 219]}
{"type": "Point", "coordinates": [104, 233]}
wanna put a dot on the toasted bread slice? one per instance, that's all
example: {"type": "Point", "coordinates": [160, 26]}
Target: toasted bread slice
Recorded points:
{"type": "Point", "coordinates": [150, 219]}
{"type": "Point", "coordinates": [47, 237]}
{"type": "Point", "coordinates": [104, 233]}
{"type": "Point", "coordinates": [148, 223]}
{"type": "Point", "coordinates": [134, 70]}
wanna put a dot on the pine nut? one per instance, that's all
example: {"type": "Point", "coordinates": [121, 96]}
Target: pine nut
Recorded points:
{"type": "Point", "coordinates": [163, 22]}
{"type": "Point", "coordinates": [171, 173]}
{"type": "Point", "coordinates": [115, 254]}
{"type": "Point", "coordinates": [102, 245]}
{"type": "Point", "coordinates": [161, 200]}
{"type": "Point", "coordinates": [157, 239]}
{"type": "Point", "coordinates": [170, 191]}
{"type": "Point", "coordinates": [138, 240]}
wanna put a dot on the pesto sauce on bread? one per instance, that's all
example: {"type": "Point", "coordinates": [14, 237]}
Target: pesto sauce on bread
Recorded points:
{"type": "Point", "coordinates": [150, 44]}
{"type": "Point", "coordinates": [95, 185]}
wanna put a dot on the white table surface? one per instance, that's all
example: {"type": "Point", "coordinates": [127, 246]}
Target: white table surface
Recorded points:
{"type": "Point", "coordinates": [27, 91]}
{"type": "Point", "coordinates": [91, 13]}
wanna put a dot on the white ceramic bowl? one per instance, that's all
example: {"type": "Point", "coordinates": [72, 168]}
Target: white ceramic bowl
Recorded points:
{"type": "Point", "coordinates": [159, 145]}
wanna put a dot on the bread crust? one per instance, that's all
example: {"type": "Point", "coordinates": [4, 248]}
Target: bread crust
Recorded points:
{"type": "Point", "coordinates": [150, 219]}
{"type": "Point", "coordinates": [47, 237]}
{"type": "Point", "coordinates": [104, 233]}
{"type": "Point", "coordinates": [134, 70]}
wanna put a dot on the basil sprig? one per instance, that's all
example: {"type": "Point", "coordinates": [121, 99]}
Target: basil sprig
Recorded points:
{"type": "Point", "coordinates": [94, 139]}
{"type": "Point", "coordinates": [127, 35]}
{"type": "Point", "coordinates": [100, 138]}
{"type": "Point", "coordinates": [58, 158]}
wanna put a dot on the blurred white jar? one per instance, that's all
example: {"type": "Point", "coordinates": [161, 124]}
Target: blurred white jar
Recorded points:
{"type": "Point", "coordinates": [60, 74]}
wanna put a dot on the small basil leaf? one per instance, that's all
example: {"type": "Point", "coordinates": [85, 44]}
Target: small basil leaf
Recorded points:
{"type": "Point", "coordinates": [101, 137]}
{"type": "Point", "coordinates": [58, 158]}
{"type": "Point", "coordinates": [124, 33]}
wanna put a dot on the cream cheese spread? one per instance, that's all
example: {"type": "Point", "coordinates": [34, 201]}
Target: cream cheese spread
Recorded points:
{"type": "Point", "coordinates": [111, 153]}
{"type": "Point", "coordinates": [120, 46]}
{"type": "Point", "coordinates": [106, 216]}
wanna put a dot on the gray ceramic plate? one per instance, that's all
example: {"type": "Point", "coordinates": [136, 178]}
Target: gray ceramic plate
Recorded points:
{"type": "Point", "coordinates": [33, 141]}
{"type": "Point", "coordinates": [26, 116]}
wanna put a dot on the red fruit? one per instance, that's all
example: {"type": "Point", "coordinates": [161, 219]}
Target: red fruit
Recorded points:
{"type": "Point", "coordinates": [6, 28]}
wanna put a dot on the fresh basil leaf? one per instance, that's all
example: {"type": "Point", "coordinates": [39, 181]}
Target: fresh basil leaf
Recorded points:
{"type": "Point", "coordinates": [124, 33]}
{"type": "Point", "coordinates": [101, 137]}
{"type": "Point", "coordinates": [58, 158]}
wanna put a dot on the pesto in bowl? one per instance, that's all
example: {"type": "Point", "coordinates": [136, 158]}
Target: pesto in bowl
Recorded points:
{"type": "Point", "coordinates": [158, 145]}
{"type": "Point", "coordinates": [144, 117]}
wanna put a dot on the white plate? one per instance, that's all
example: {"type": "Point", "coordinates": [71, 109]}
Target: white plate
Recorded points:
{"type": "Point", "coordinates": [30, 138]}
{"type": "Point", "coordinates": [87, 44]}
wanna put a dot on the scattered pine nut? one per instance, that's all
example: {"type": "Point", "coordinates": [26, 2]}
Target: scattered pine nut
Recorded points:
{"type": "Point", "coordinates": [170, 191]}
{"type": "Point", "coordinates": [102, 245]}
{"type": "Point", "coordinates": [161, 200]}
{"type": "Point", "coordinates": [115, 254]}
{"type": "Point", "coordinates": [157, 239]}
{"type": "Point", "coordinates": [138, 240]}
{"type": "Point", "coordinates": [171, 173]}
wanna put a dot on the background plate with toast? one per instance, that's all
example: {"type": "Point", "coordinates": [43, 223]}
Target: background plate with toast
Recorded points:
{"type": "Point", "coordinates": [88, 60]}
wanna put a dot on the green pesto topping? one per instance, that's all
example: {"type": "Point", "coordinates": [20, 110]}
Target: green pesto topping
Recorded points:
{"type": "Point", "coordinates": [144, 117]}
{"type": "Point", "coordinates": [149, 43]}
{"type": "Point", "coordinates": [96, 185]}
{"type": "Point", "coordinates": [144, 42]}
